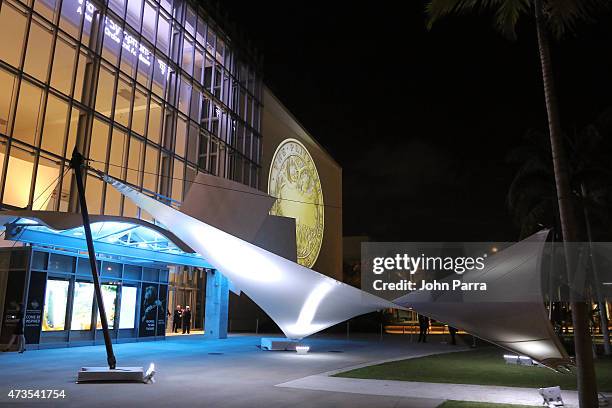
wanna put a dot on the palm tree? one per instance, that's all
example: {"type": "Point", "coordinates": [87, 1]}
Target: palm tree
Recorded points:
{"type": "Point", "coordinates": [551, 17]}
{"type": "Point", "coordinates": [531, 196]}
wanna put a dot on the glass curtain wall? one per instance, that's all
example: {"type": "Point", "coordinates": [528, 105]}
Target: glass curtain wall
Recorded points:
{"type": "Point", "coordinates": [171, 98]}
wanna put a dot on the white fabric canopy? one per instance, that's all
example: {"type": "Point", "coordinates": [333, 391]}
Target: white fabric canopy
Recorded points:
{"type": "Point", "coordinates": [299, 300]}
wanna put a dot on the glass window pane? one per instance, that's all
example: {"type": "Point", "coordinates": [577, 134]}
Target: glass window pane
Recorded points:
{"type": "Point", "coordinates": [39, 51]}
{"type": "Point", "coordinates": [148, 23]}
{"type": "Point", "coordinates": [46, 185]}
{"type": "Point", "coordinates": [71, 17]}
{"type": "Point", "coordinates": [99, 144]}
{"type": "Point", "coordinates": [46, 8]}
{"type": "Point", "coordinates": [134, 12]}
{"type": "Point", "coordinates": [203, 151]}
{"type": "Point", "coordinates": [112, 41]}
{"type": "Point", "coordinates": [155, 118]}
{"type": "Point", "coordinates": [188, 50]}
{"type": "Point", "coordinates": [63, 65]}
{"type": "Point", "coordinates": [201, 31]}
{"type": "Point", "coordinates": [72, 131]}
{"type": "Point", "coordinates": [12, 32]}
{"type": "Point", "coordinates": [118, 6]}
{"type": "Point", "coordinates": [112, 205]}
{"type": "Point", "coordinates": [150, 169]}
{"type": "Point", "coordinates": [129, 53]}
{"type": "Point", "coordinates": [134, 160]}
{"type": "Point", "coordinates": [181, 137]}
{"type": "Point", "coordinates": [117, 154]}
{"type": "Point", "coordinates": [163, 33]}
{"type": "Point", "coordinates": [28, 108]}
{"type": "Point", "coordinates": [93, 194]}
{"type": "Point", "coordinates": [161, 72]}
{"type": "Point", "coordinates": [198, 64]}
{"type": "Point", "coordinates": [139, 113]}
{"type": "Point", "coordinates": [123, 102]}
{"type": "Point", "coordinates": [184, 95]}
{"type": "Point", "coordinates": [7, 96]}
{"type": "Point", "coordinates": [18, 177]}
{"type": "Point", "coordinates": [79, 81]}
{"type": "Point", "coordinates": [54, 127]}
{"type": "Point", "coordinates": [177, 180]}
{"type": "Point", "coordinates": [104, 96]}
{"type": "Point", "coordinates": [190, 20]}
{"type": "Point", "coordinates": [144, 71]}
{"type": "Point", "coordinates": [193, 143]}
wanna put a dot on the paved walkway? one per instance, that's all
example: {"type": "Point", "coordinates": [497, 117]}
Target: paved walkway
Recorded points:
{"type": "Point", "coordinates": [193, 371]}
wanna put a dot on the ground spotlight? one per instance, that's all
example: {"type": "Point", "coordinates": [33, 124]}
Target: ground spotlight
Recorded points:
{"type": "Point", "coordinates": [149, 375]}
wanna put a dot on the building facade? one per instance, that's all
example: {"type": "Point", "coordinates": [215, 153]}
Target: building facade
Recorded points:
{"type": "Point", "coordinates": [152, 93]}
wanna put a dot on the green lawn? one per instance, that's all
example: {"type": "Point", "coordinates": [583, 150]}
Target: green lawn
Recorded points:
{"type": "Point", "coordinates": [467, 404]}
{"type": "Point", "coordinates": [484, 366]}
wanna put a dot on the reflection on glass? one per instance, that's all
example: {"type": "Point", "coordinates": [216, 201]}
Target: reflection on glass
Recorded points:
{"type": "Point", "coordinates": [127, 312]}
{"type": "Point", "coordinates": [82, 306]}
{"type": "Point", "coordinates": [18, 177]}
{"type": "Point", "coordinates": [109, 296]}
{"type": "Point", "coordinates": [56, 297]}
{"type": "Point", "coordinates": [12, 32]}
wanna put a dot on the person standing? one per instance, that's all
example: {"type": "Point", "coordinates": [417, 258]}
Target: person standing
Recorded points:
{"type": "Point", "coordinates": [18, 332]}
{"type": "Point", "coordinates": [453, 333]}
{"type": "Point", "coordinates": [176, 319]}
{"type": "Point", "coordinates": [187, 320]}
{"type": "Point", "coordinates": [423, 328]}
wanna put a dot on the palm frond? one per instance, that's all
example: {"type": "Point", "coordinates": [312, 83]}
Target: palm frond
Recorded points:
{"type": "Point", "coordinates": [437, 9]}
{"type": "Point", "coordinates": [507, 15]}
{"type": "Point", "coordinates": [564, 15]}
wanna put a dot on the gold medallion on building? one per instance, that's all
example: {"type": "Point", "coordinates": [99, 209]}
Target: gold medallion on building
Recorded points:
{"type": "Point", "coordinates": [295, 182]}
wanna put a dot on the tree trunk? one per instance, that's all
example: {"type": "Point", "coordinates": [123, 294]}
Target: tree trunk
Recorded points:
{"type": "Point", "coordinates": [603, 313]}
{"type": "Point", "coordinates": [587, 387]}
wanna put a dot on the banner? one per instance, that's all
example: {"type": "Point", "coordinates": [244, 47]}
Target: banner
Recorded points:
{"type": "Point", "coordinates": [162, 310]}
{"type": "Point", "coordinates": [149, 304]}
{"type": "Point", "coordinates": [34, 307]}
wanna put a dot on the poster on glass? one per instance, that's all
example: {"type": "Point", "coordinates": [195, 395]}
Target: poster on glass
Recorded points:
{"type": "Point", "coordinates": [109, 297]}
{"type": "Point", "coordinates": [56, 298]}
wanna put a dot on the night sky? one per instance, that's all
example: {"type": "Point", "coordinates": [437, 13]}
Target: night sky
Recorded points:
{"type": "Point", "coordinates": [421, 121]}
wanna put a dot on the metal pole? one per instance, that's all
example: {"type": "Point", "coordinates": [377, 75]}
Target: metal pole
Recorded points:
{"type": "Point", "coordinates": [77, 165]}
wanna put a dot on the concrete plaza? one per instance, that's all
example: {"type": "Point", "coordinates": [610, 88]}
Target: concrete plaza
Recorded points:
{"type": "Point", "coordinates": [194, 371]}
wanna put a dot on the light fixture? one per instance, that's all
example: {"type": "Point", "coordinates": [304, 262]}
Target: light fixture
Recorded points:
{"type": "Point", "coordinates": [149, 375]}
{"type": "Point", "coordinates": [551, 396]}
{"type": "Point", "coordinates": [302, 349]}
{"type": "Point", "coordinates": [519, 360]}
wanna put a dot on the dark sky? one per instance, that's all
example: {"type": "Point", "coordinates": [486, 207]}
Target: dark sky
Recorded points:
{"type": "Point", "coordinates": [421, 121]}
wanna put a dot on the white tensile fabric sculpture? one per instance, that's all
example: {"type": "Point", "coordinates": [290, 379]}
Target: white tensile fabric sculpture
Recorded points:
{"type": "Point", "coordinates": [512, 314]}
{"type": "Point", "coordinates": [302, 301]}
{"type": "Point", "coordinates": [299, 300]}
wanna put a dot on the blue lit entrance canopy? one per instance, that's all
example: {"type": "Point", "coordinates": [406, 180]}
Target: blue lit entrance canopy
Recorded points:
{"type": "Point", "coordinates": [117, 236]}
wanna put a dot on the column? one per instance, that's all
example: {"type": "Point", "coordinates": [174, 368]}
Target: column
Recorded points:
{"type": "Point", "coordinates": [217, 301]}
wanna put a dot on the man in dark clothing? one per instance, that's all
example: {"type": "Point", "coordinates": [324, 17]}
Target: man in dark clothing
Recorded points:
{"type": "Point", "coordinates": [176, 319]}
{"type": "Point", "coordinates": [452, 332]}
{"type": "Point", "coordinates": [187, 320]}
{"type": "Point", "coordinates": [423, 328]}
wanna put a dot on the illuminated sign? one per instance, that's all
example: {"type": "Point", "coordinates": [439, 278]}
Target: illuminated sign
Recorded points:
{"type": "Point", "coordinates": [120, 36]}
{"type": "Point", "coordinates": [295, 182]}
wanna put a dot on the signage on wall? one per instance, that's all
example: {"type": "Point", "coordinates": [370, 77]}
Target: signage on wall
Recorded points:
{"type": "Point", "coordinates": [149, 303]}
{"type": "Point", "coordinates": [295, 183]}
